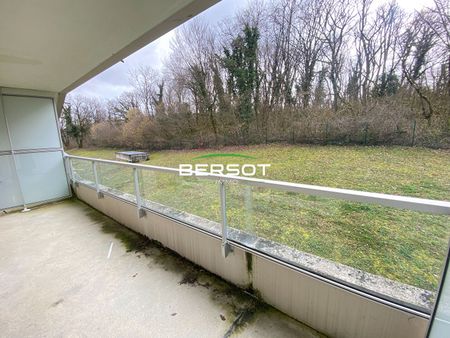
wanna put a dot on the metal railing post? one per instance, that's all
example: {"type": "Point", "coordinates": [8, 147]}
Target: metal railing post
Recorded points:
{"type": "Point", "coordinates": [72, 173]}
{"type": "Point", "coordinates": [137, 192]}
{"type": "Point", "coordinates": [97, 186]}
{"type": "Point", "coordinates": [226, 249]}
{"type": "Point", "coordinates": [69, 168]}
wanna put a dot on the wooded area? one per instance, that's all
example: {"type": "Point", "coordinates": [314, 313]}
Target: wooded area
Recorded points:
{"type": "Point", "coordinates": [298, 71]}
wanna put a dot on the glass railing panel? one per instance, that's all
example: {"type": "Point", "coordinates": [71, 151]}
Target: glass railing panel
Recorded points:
{"type": "Point", "coordinates": [393, 253]}
{"type": "Point", "coordinates": [82, 171]}
{"type": "Point", "coordinates": [367, 241]}
{"type": "Point", "coordinates": [183, 196]}
{"type": "Point", "coordinates": [116, 179]}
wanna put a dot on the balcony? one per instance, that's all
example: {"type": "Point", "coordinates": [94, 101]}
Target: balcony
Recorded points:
{"type": "Point", "coordinates": [121, 249]}
{"type": "Point", "coordinates": [191, 215]}
{"type": "Point", "coordinates": [68, 269]}
{"type": "Point", "coordinates": [243, 270]}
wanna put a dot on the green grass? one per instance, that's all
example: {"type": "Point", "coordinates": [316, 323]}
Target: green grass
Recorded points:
{"type": "Point", "coordinates": [401, 245]}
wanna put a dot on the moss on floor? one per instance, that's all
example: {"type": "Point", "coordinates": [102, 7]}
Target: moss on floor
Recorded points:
{"type": "Point", "coordinates": [241, 306]}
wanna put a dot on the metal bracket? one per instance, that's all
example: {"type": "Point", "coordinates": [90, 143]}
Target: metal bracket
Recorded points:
{"type": "Point", "coordinates": [100, 195]}
{"type": "Point", "coordinates": [226, 249]}
{"type": "Point", "coordinates": [142, 213]}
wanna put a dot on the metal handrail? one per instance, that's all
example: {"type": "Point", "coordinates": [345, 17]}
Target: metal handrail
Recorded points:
{"type": "Point", "coordinates": [395, 201]}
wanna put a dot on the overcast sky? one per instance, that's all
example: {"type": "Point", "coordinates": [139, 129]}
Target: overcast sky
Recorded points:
{"type": "Point", "coordinates": [113, 81]}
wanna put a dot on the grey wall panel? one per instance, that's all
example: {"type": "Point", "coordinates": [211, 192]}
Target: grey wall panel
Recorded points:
{"type": "Point", "coordinates": [9, 188]}
{"type": "Point", "coordinates": [33, 171]}
{"type": "Point", "coordinates": [4, 141]}
{"type": "Point", "coordinates": [42, 176]}
{"type": "Point", "coordinates": [32, 122]}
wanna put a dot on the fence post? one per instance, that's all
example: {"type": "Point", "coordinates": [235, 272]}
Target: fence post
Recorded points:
{"type": "Point", "coordinates": [137, 192]}
{"type": "Point", "coordinates": [226, 249]}
{"type": "Point", "coordinates": [366, 129]}
{"type": "Point", "coordinates": [97, 185]}
{"type": "Point", "coordinates": [413, 134]}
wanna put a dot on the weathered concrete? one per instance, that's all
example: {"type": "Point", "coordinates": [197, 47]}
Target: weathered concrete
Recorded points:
{"type": "Point", "coordinates": [325, 307]}
{"type": "Point", "coordinates": [57, 280]}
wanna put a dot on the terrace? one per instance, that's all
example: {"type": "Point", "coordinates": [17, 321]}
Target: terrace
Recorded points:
{"type": "Point", "coordinates": [115, 248]}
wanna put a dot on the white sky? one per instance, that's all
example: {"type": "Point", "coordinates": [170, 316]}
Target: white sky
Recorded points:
{"type": "Point", "coordinates": [113, 81]}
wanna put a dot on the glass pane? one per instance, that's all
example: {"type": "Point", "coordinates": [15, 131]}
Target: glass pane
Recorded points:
{"type": "Point", "coordinates": [9, 188]}
{"type": "Point", "coordinates": [397, 253]}
{"type": "Point", "coordinates": [32, 122]}
{"type": "Point", "coordinates": [116, 179]}
{"type": "Point", "coordinates": [4, 141]}
{"type": "Point", "coordinates": [185, 196]}
{"type": "Point", "coordinates": [441, 322]}
{"type": "Point", "coordinates": [42, 176]}
{"type": "Point", "coordinates": [82, 171]}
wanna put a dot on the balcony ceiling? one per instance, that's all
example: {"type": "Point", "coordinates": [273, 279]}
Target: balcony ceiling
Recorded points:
{"type": "Point", "coordinates": [56, 45]}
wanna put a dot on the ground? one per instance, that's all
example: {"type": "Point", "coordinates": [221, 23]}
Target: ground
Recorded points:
{"type": "Point", "coordinates": [69, 271]}
{"type": "Point", "coordinates": [405, 246]}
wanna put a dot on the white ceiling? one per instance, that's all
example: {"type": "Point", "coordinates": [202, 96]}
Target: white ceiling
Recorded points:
{"type": "Point", "coordinates": [56, 45]}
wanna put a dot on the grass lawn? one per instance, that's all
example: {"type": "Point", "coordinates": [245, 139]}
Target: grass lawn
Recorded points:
{"type": "Point", "coordinates": [401, 245]}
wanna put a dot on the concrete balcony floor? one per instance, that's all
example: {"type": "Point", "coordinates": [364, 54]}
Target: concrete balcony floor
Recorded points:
{"type": "Point", "coordinates": [57, 280]}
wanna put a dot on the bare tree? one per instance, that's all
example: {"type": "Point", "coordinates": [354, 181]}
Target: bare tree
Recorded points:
{"type": "Point", "coordinates": [192, 63]}
{"type": "Point", "coordinates": [119, 107]}
{"type": "Point", "coordinates": [79, 113]}
{"type": "Point", "coordinates": [437, 18]}
{"type": "Point", "coordinates": [147, 84]}
{"type": "Point", "coordinates": [337, 24]}
{"type": "Point", "coordinates": [308, 44]}
{"type": "Point", "coordinates": [376, 39]}
{"type": "Point", "coordinates": [286, 68]}
{"type": "Point", "coordinates": [418, 40]}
